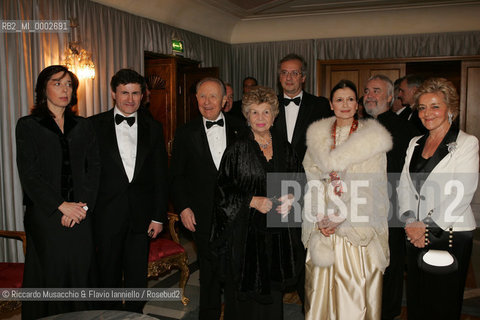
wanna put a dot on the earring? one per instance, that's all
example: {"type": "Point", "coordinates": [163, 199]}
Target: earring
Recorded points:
{"type": "Point", "coordinates": [450, 117]}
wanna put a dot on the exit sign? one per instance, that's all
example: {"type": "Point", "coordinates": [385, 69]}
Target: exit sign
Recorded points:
{"type": "Point", "coordinates": [177, 47]}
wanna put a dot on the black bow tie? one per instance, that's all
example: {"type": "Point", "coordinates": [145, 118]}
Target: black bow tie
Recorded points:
{"type": "Point", "coordinates": [209, 124]}
{"type": "Point", "coordinates": [294, 100]}
{"type": "Point", "coordinates": [119, 118]}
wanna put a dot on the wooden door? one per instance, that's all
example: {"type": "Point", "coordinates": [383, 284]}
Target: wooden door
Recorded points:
{"type": "Point", "coordinates": [187, 107]}
{"type": "Point", "coordinates": [172, 82]}
{"type": "Point", "coordinates": [331, 73]}
{"type": "Point", "coordinates": [161, 75]}
{"type": "Point", "coordinates": [470, 107]}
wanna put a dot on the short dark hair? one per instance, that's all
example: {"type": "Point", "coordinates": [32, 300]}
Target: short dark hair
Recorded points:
{"type": "Point", "coordinates": [250, 78]}
{"type": "Point", "coordinates": [414, 80]}
{"type": "Point", "coordinates": [342, 84]}
{"type": "Point", "coordinates": [293, 56]}
{"type": "Point", "coordinates": [41, 106]}
{"type": "Point", "coordinates": [212, 79]}
{"type": "Point", "coordinates": [126, 76]}
{"type": "Point", "coordinates": [397, 82]}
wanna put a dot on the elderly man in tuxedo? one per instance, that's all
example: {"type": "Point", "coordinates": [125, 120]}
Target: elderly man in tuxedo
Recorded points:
{"type": "Point", "coordinates": [377, 99]}
{"type": "Point", "coordinates": [132, 198]}
{"type": "Point", "coordinates": [197, 151]}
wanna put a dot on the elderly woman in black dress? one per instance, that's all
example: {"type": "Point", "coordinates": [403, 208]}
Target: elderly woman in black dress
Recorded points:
{"type": "Point", "coordinates": [58, 165]}
{"type": "Point", "coordinates": [258, 260]}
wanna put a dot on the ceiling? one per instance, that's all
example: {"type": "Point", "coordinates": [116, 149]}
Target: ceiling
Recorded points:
{"type": "Point", "coordinates": [248, 21]}
{"type": "Point", "coordinates": [261, 9]}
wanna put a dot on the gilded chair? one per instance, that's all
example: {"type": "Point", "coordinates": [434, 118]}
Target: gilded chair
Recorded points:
{"type": "Point", "coordinates": [11, 273]}
{"type": "Point", "coordinates": [166, 254]}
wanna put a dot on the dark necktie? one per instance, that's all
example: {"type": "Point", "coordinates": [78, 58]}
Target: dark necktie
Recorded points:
{"type": "Point", "coordinates": [119, 118]}
{"type": "Point", "coordinates": [294, 100]}
{"type": "Point", "coordinates": [209, 124]}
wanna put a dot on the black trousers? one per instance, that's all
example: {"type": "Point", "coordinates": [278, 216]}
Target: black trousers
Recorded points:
{"type": "Point", "coordinates": [123, 262]}
{"type": "Point", "coordinates": [210, 288]}
{"type": "Point", "coordinates": [393, 277]}
{"type": "Point", "coordinates": [438, 297]}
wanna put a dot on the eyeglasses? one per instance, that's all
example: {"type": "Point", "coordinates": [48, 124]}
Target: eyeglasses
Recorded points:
{"type": "Point", "coordinates": [293, 74]}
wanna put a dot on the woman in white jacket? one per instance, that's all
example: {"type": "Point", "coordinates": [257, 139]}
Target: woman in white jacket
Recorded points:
{"type": "Point", "coordinates": [345, 213]}
{"type": "Point", "coordinates": [437, 184]}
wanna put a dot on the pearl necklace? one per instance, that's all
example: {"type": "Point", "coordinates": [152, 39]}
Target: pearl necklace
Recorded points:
{"type": "Point", "coordinates": [265, 145]}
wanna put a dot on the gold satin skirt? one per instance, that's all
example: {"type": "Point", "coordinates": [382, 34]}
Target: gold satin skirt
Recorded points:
{"type": "Point", "coordinates": [350, 289]}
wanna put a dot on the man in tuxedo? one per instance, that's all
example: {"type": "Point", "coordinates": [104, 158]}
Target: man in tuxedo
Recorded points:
{"type": "Point", "coordinates": [297, 108]}
{"type": "Point", "coordinates": [248, 83]}
{"type": "Point", "coordinates": [378, 96]}
{"type": "Point", "coordinates": [407, 90]}
{"type": "Point", "coordinates": [197, 150]}
{"type": "Point", "coordinates": [132, 198]}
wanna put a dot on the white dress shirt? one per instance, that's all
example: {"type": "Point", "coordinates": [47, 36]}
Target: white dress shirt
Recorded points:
{"type": "Point", "coordinates": [291, 115]}
{"type": "Point", "coordinates": [217, 139]}
{"type": "Point", "coordinates": [127, 143]}
{"type": "Point", "coordinates": [400, 111]}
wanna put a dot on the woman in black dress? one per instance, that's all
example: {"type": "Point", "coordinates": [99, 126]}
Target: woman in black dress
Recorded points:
{"type": "Point", "coordinates": [58, 165]}
{"type": "Point", "coordinates": [259, 255]}
{"type": "Point", "coordinates": [436, 187]}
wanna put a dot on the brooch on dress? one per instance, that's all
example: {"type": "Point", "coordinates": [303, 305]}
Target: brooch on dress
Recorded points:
{"type": "Point", "coordinates": [452, 146]}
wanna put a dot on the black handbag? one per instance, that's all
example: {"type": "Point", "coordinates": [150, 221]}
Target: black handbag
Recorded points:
{"type": "Point", "coordinates": [436, 257]}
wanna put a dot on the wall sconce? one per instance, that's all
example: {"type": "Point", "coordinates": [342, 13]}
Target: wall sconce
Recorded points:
{"type": "Point", "coordinates": [78, 60]}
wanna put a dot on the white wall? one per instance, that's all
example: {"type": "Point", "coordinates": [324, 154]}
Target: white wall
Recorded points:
{"type": "Point", "coordinates": [406, 21]}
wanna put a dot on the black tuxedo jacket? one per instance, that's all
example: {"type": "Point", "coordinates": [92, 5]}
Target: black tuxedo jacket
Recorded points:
{"type": "Point", "coordinates": [405, 113]}
{"type": "Point", "coordinates": [194, 175]}
{"type": "Point", "coordinates": [312, 108]}
{"type": "Point", "coordinates": [415, 120]}
{"type": "Point", "coordinates": [402, 132]}
{"type": "Point", "coordinates": [39, 161]}
{"type": "Point", "coordinates": [123, 204]}
{"type": "Point", "coordinates": [237, 110]}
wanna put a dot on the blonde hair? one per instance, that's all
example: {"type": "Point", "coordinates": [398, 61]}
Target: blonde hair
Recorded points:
{"type": "Point", "coordinates": [259, 95]}
{"type": "Point", "coordinates": [441, 85]}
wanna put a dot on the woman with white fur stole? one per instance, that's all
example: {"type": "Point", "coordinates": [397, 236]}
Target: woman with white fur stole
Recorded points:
{"type": "Point", "coordinates": [345, 226]}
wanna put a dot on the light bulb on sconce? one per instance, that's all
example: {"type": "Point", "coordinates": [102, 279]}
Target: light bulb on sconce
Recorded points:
{"type": "Point", "coordinates": [78, 60]}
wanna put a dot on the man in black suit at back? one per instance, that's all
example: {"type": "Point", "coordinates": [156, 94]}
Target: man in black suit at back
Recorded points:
{"type": "Point", "coordinates": [248, 83]}
{"type": "Point", "coordinates": [297, 108]}
{"type": "Point", "coordinates": [378, 97]}
{"type": "Point", "coordinates": [132, 197]}
{"type": "Point", "coordinates": [197, 151]}
{"type": "Point", "coordinates": [408, 88]}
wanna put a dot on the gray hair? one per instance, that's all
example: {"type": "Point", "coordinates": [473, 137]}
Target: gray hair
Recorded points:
{"type": "Point", "coordinates": [293, 56]}
{"type": "Point", "coordinates": [414, 80]}
{"type": "Point", "coordinates": [212, 79]}
{"type": "Point", "coordinates": [389, 83]}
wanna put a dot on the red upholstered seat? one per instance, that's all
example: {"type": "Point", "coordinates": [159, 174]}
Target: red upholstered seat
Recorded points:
{"type": "Point", "coordinates": [11, 275]}
{"type": "Point", "coordinates": [166, 254]}
{"type": "Point", "coordinates": [160, 248]}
